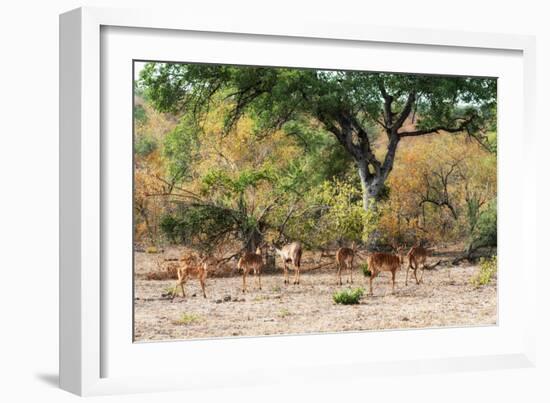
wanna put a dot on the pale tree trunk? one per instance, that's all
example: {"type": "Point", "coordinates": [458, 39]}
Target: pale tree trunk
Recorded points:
{"type": "Point", "coordinates": [353, 137]}
{"type": "Point", "coordinates": [370, 185]}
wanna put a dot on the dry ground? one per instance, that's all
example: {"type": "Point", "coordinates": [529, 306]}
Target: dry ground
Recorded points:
{"type": "Point", "coordinates": [446, 298]}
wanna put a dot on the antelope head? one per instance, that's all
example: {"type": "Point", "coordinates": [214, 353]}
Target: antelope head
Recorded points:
{"type": "Point", "coordinates": [399, 250]}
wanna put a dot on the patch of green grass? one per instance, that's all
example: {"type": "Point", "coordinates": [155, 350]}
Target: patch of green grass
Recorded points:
{"type": "Point", "coordinates": [187, 319]}
{"type": "Point", "coordinates": [276, 288]}
{"type": "Point", "coordinates": [365, 269]}
{"type": "Point", "coordinates": [487, 271]}
{"type": "Point", "coordinates": [283, 313]}
{"type": "Point", "coordinates": [348, 296]}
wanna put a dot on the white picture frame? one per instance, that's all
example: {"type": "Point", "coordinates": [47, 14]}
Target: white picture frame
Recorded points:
{"type": "Point", "coordinates": [86, 345]}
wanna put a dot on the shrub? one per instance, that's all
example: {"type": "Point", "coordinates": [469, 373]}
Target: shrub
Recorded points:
{"type": "Point", "coordinates": [140, 115]}
{"type": "Point", "coordinates": [365, 269]}
{"type": "Point", "coordinates": [487, 270]}
{"type": "Point", "coordinates": [145, 145]}
{"type": "Point", "coordinates": [484, 231]}
{"type": "Point", "coordinates": [487, 226]}
{"type": "Point", "coordinates": [187, 319]}
{"type": "Point", "coordinates": [192, 223]}
{"type": "Point", "coordinates": [283, 313]}
{"type": "Point", "coordinates": [348, 296]}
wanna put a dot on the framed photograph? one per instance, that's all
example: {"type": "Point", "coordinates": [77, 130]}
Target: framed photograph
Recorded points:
{"type": "Point", "coordinates": [241, 202]}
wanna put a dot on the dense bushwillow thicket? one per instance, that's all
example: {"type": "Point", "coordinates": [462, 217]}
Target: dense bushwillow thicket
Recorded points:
{"type": "Point", "coordinates": [230, 157]}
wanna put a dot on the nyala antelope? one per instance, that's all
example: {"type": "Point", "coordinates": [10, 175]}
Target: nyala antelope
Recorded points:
{"type": "Point", "coordinates": [291, 253]}
{"type": "Point", "coordinates": [191, 266]}
{"type": "Point", "coordinates": [344, 260]}
{"type": "Point", "coordinates": [252, 261]}
{"type": "Point", "coordinates": [417, 255]}
{"type": "Point", "coordinates": [379, 262]}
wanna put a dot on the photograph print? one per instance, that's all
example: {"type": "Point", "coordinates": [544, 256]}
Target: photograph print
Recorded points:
{"type": "Point", "coordinates": [282, 201]}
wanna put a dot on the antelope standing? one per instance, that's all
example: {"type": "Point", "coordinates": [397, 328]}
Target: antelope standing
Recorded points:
{"type": "Point", "coordinates": [379, 262]}
{"type": "Point", "coordinates": [417, 255]}
{"type": "Point", "coordinates": [194, 266]}
{"type": "Point", "coordinates": [344, 260]}
{"type": "Point", "coordinates": [252, 261]}
{"type": "Point", "coordinates": [291, 253]}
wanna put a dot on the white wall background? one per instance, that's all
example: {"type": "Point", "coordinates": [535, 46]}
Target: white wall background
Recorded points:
{"type": "Point", "coordinates": [29, 187]}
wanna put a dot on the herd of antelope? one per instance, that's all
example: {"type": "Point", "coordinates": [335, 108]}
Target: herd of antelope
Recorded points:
{"type": "Point", "coordinates": [193, 265]}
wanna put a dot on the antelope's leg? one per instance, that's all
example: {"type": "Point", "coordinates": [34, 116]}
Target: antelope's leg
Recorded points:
{"type": "Point", "coordinates": [202, 281]}
{"type": "Point", "coordinates": [415, 277]}
{"type": "Point", "coordinates": [407, 276]}
{"type": "Point", "coordinates": [339, 274]}
{"type": "Point", "coordinates": [183, 281]}
{"type": "Point", "coordinates": [175, 290]}
{"type": "Point", "coordinates": [422, 273]}
{"type": "Point", "coordinates": [260, 279]}
{"type": "Point", "coordinates": [298, 274]}
{"type": "Point", "coordinates": [393, 281]}
{"type": "Point", "coordinates": [351, 272]}
{"type": "Point", "coordinates": [413, 265]}
{"type": "Point", "coordinates": [244, 281]}
{"type": "Point", "coordinates": [370, 282]}
{"type": "Point", "coordinates": [285, 274]}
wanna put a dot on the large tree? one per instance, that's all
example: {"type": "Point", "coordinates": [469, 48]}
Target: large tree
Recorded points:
{"type": "Point", "coordinates": [348, 104]}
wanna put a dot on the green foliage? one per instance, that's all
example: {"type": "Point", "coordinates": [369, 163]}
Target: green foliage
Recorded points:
{"type": "Point", "coordinates": [140, 115]}
{"type": "Point", "coordinates": [260, 152]}
{"type": "Point", "coordinates": [145, 145]}
{"type": "Point", "coordinates": [201, 225]}
{"type": "Point", "coordinates": [484, 231]}
{"type": "Point", "coordinates": [323, 158]}
{"type": "Point", "coordinates": [492, 142]}
{"type": "Point", "coordinates": [487, 271]}
{"type": "Point", "coordinates": [348, 296]}
{"type": "Point", "coordinates": [339, 213]}
{"type": "Point", "coordinates": [180, 148]}
{"type": "Point", "coordinates": [365, 269]}
{"type": "Point", "coordinates": [220, 181]}
{"type": "Point", "coordinates": [278, 95]}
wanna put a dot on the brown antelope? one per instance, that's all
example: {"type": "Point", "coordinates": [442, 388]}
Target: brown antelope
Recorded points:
{"type": "Point", "coordinates": [194, 266]}
{"type": "Point", "coordinates": [379, 262]}
{"type": "Point", "coordinates": [344, 260]}
{"type": "Point", "coordinates": [252, 261]}
{"type": "Point", "coordinates": [417, 255]}
{"type": "Point", "coordinates": [291, 253]}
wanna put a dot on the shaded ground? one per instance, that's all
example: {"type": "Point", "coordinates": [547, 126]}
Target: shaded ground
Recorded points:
{"type": "Point", "coordinates": [445, 299]}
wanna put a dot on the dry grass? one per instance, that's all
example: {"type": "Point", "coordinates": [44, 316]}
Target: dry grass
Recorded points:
{"type": "Point", "coordinates": [447, 298]}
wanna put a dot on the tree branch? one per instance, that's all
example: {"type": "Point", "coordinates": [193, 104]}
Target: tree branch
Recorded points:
{"type": "Point", "coordinates": [441, 204]}
{"type": "Point", "coordinates": [405, 112]}
{"type": "Point", "coordinates": [388, 99]}
{"type": "Point", "coordinates": [390, 155]}
{"type": "Point", "coordinates": [463, 126]}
